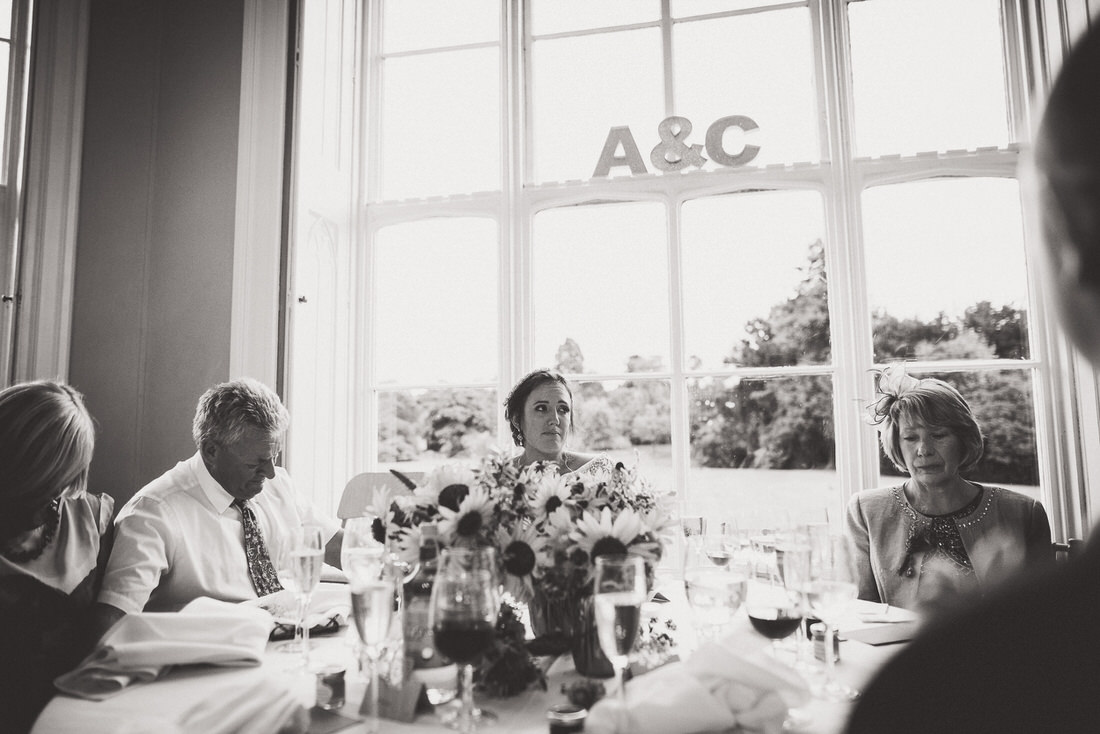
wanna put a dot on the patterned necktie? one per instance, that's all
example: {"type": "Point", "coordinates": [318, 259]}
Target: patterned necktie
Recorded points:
{"type": "Point", "coordinates": [260, 568]}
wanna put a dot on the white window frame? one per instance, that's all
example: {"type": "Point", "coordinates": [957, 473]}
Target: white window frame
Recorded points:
{"type": "Point", "coordinates": [1067, 414]}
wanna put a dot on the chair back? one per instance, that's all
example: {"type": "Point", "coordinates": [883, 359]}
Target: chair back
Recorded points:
{"type": "Point", "coordinates": [360, 488]}
{"type": "Point", "coordinates": [1065, 551]}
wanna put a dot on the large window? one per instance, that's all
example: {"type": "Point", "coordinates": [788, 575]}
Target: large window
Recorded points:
{"type": "Point", "coordinates": [717, 217]}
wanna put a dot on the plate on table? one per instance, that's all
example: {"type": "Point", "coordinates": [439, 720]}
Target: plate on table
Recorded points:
{"type": "Point", "coordinates": [328, 610]}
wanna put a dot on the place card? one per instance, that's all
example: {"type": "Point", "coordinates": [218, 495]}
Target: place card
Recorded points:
{"type": "Point", "coordinates": [399, 703]}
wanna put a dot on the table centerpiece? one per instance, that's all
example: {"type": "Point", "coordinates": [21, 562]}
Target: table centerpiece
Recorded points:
{"type": "Point", "coordinates": [547, 527]}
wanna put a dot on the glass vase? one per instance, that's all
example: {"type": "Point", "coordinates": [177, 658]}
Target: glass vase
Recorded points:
{"type": "Point", "coordinates": [588, 656]}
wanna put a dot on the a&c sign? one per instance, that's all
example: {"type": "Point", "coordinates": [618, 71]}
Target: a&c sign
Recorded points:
{"type": "Point", "coordinates": [673, 153]}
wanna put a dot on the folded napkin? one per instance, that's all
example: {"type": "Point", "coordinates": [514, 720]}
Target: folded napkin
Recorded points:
{"type": "Point", "coordinates": [731, 685]}
{"type": "Point", "coordinates": [141, 647]}
{"type": "Point", "coordinates": [328, 611]}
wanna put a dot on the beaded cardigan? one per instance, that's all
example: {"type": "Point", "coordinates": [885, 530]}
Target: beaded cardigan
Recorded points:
{"type": "Point", "coordinates": [1002, 532]}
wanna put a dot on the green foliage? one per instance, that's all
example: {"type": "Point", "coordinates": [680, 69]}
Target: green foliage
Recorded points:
{"type": "Point", "coordinates": [776, 423]}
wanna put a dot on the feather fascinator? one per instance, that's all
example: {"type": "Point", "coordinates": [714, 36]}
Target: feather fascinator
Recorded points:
{"type": "Point", "coordinates": [891, 383]}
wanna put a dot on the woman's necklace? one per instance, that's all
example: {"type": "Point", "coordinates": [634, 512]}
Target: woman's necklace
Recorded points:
{"type": "Point", "coordinates": [49, 528]}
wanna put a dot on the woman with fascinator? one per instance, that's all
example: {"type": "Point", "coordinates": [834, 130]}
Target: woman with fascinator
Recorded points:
{"type": "Point", "coordinates": [937, 536]}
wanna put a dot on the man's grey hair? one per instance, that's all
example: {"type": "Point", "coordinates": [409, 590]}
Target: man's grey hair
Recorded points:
{"type": "Point", "coordinates": [227, 411]}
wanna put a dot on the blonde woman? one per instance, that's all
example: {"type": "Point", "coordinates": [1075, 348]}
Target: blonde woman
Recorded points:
{"type": "Point", "coordinates": [54, 541]}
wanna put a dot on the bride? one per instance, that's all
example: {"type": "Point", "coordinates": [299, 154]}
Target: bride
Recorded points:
{"type": "Point", "coordinates": [539, 411]}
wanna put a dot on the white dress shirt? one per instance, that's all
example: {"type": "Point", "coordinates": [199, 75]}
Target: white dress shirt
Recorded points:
{"type": "Point", "coordinates": [180, 538]}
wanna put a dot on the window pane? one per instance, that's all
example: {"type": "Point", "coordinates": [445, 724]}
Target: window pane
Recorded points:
{"type": "Point", "coordinates": [436, 302]}
{"type": "Point", "coordinates": [762, 443]}
{"type": "Point", "coordinates": [630, 422]}
{"type": "Point", "coordinates": [416, 24]}
{"type": "Point", "coordinates": [946, 271]}
{"type": "Point", "coordinates": [684, 8]}
{"type": "Point", "coordinates": [581, 88]}
{"type": "Point", "coordinates": [5, 20]}
{"type": "Point", "coordinates": [910, 91]}
{"type": "Point", "coordinates": [421, 428]}
{"type": "Point", "coordinates": [559, 16]}
{"type": "Point", "coordinates": [1004, 406]}
{"type": "Point", "coordinates": [600, 279]}
{"type": "Point", "coordinates": [759, 65]}
{"type": "Point", "coordinates": [441, 124]}
{"type": "Point", "coordinates": [755, 289]}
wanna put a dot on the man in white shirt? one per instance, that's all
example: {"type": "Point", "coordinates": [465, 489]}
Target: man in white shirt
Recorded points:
{"type": "Point", "coordinates": [214, 524]}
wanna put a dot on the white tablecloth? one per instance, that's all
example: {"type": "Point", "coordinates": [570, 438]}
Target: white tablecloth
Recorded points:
{"type": "Point", "coordinates": [159, 706]}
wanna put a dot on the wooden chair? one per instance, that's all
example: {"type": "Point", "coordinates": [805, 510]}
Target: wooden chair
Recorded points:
{"type": "Point", "coordinates": [359, 489]}
{"type": "Point", "coordinates": [1068, 550]}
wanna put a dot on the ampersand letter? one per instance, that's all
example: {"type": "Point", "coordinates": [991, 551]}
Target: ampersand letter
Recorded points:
{"type": "Point", "coordinates": [672, 154]}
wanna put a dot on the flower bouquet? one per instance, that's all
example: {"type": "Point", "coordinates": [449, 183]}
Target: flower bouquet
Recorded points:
{"type": "Point", "coordinates": [547, 528]}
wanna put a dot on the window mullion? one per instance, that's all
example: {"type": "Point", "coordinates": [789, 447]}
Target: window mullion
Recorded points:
{"type": "Point", "coordinates": [856, 456]}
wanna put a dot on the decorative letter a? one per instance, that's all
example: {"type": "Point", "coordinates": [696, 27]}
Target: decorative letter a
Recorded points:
{"type": "Point", "coordinates": [631, 157]}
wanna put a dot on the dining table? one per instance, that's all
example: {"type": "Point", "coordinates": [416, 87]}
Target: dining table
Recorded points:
{"type": "Point", "coordinates": [162, 705]}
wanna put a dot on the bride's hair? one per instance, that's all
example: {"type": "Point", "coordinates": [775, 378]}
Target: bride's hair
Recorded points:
{"type": "Point", "coordinates": [517, 399]}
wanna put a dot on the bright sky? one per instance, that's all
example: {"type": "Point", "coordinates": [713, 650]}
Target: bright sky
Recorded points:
{"type": "Point", "coordinates": [601, 272]}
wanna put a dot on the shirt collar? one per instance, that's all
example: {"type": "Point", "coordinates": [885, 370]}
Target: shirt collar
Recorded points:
{"type": "Point", "coordinates": [215, 495]}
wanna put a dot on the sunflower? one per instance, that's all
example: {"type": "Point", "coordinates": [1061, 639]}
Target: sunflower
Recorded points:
{"type": "Point", "coordinates": [520, 548]}
{"type": "Point", "coordinates": [446, 486]}
{"type": "Point", "coordinates": [599, 535]}
{"type": "Point", "coordinates": [473, 514]}
{"type": "Point", "coordinates": [407, 542]}
{"type": "Point", "coordinates": [549, 493]}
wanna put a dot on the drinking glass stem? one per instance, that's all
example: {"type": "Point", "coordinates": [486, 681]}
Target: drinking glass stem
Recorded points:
{"type": "Point", "coordinates": [301, 632]}
{"type": "Point", "coordinates": [624, 721]}
{"type": "Point", "coordinates": [373, 725]}
{"type": "Point", "coordinates": [830, 657]}
{"type": "Point", "coordinates": [466, 716]}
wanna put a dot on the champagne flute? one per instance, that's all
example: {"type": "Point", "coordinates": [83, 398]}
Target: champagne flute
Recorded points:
{"type": "Point", "coordinates": [361, 557]}
{"type": "Point", "coordinates": [620, 590]}
{"type": "Point", "coordinates": [465, 603]}
{"type": "Point", "coordinates": [372, 608]}
{"type": "Point", "coordinates": [299, 571]}
{"type": "Point", "coordinates": [833, 587]}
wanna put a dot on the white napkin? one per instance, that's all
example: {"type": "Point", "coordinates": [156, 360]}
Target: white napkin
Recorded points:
{"type": "Point", "coordinates": [727, 684]}
{"type": "Point", "coordinates": [329, 609]}
{"type": "Point", "coordinates": [140, 647]}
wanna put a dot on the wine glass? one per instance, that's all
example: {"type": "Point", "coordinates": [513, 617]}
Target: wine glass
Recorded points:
{"type": "Point", "coordinates": [713, 593]}
{"type": "Point", "coordinates": [372, 606]}
{"type": "Point", "coordinates": [465, 603]}
{"type": "Point", "coordinates": [832, 588]}
{"type": "Point", "coordinates": [619, 591]}
{"type": "Point", "coordinates": [793, 562]}
{"type": "Point", "coordinates": [720, 542]}
{"type": "Point", "coordinates": [361, 553]}
{"type": "Point", "coordinates": [299, 571]}
{"type": "Point", "coordinates": [773, 607]}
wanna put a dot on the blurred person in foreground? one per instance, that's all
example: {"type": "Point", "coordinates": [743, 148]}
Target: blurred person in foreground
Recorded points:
{"type": "Point", "coordinates": [54, 541]}
{"type": "Point", "coordinates": [1026, 659]}
{"type": "Point", "coordinates": [539, 410]}
{"type": "Point", "coordinates": [215, 524]}
{"type": "Point", "coordinates": [937, 539]}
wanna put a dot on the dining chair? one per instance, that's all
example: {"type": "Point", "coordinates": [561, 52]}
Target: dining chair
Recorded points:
{"type": "Point", "coordinates": [1065, 551]}
{"type": "Point", "coordinates": [359, 489]}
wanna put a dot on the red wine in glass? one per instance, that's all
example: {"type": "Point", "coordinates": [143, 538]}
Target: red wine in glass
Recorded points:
{"type": "Point", "coordinates": [775, 623]}
{"type": "Point", "coordinates": [463, 640]}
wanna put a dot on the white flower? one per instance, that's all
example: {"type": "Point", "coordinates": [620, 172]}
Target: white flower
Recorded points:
{"type": "Point", "coordinates": [547, 494]}
{"type": "Point", "coordinates": [450, 477]}
{"type": "Point", "coordinates": [520, 549]}
{"type": "Point", "coordinates": [407, 544]}
{"type": "Point", "coordinates": [474, 513]}
{"type": "Point", "coordinates": [600, 534]}
{"type": "Point", "coordinates": [380, 504]}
